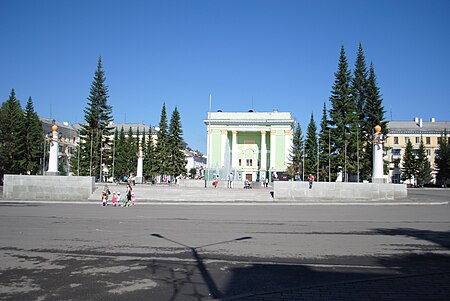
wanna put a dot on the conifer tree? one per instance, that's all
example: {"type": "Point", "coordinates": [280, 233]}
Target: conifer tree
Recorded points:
{"type": "Point", "coordinates": [95, 133]}
{"type": "Point", "coordinates": [423, 166]}
{"type": "Point", "coordinates": [176, 145]}
{"type": "Point", "coordinates": [121, 157]}
{"type": "Point", "coordinates": [409, 165]}
{"type": "Point", "coordinates": [374, 112]}
{"type": "Point", "coordinates": [33, 138]}
{"type": "Point", "coordinates": [342, 117]}
{"type": "Point", "coordinates": [296, 153]}
{"type": "Point", "coordinates": [149, 162]}
{"type": "Point", "coordinates": [311, 148]}
{"type": "Point", "coordinates": [162, 146]}
{"type": "Point", "coordinates": [130, 151]}
{"type": "Point", "coordinates": [442, 160]}
{"type": "Point", "coordinates": [324, 147]}
{"type": "Point", "coordinates": [11, 140]}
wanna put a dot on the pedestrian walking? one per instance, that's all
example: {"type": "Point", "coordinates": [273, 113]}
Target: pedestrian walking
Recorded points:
{"type": "Point", "coordinates": [128, 195]}
{"type": "Point", "coordinates": [114, 199]}
{"type": "Point", "coordinates": [310, 180]}
{"type": "Point", "coordinates": [230, 179]}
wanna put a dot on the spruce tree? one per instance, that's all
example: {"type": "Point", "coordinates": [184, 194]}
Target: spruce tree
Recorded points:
{"type": "Point", "coordinates": [33, 139]}
{"type": "Point", "coordinates": [121, 156]}
{"type": "Point", "coordinates": [311, 148]}
{"type": "Point", "coordinates": [176, 145]}
{"type": "Point", "coordinates": [11, 136]}
{"type": "Point", "coordinates": [374, 112]}
{"type": "Point", "coordinates": [95, 133]}
{"type": "Point", "coordinates": [442, 160]}
{"type": "Point", "coordinates": [296, 153]}
{"type": "Point", "coordinates": [409, 164]}
{"type": "Point", "coordinates": [162, 166]}
{"type": "Point", "coordinates": [342, 118]}
{"type": "Point", "coordinates": [359, 92]}
{"type": "Point", "coordinates": [324, 147]}
{"type": "Point", "coordinates": [423, 166]}
{"type": "Point", "coordinates": [149, 162]}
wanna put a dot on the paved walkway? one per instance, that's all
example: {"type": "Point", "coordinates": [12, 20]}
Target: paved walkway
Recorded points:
{"type": "Point", "coordinates": [434, 286]}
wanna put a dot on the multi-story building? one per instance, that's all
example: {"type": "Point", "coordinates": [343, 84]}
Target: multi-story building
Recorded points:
{"type": "Point", "coordinates": [67, 143]}
{"type": "Point", "coordinates": [400, 132]}
{"type": "Point", "coordinates": [252, 145]}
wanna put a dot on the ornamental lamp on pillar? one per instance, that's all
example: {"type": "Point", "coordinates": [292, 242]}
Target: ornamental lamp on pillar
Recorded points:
{"type": "Point", "coordinates": [140, 166]}
{"type": "Point", "coordinates": [53, 138]}
{"type": "Point", "coordinates": [377, 170]}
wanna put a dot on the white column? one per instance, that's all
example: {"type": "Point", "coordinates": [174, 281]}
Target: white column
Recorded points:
{"type": "Point", "coordinates": [234, 156]}
{"type": "Point", "coordinates": [54, 146]}
{"type": "Point", "coordinates": [377, 170]}
{"type": "Point", "coordinates": [209, 149]}
{"type": "Point", "coordinates": [273, 146]}
{"type": "Point", "coordinates": [222, 148]}
{"type": "Point", "coordinates": [140, 166]}
{"type": "Point", "coordinates": [263, 151]}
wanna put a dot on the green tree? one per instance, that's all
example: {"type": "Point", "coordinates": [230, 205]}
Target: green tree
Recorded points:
{"type": "Point", "coordinates": [324, 147]}
{"type": "Point", "coordinates": [130, 151]}
{"type": "Point", "coordinates": [11, 136]}
{"type": "Point", "coordinates": [374, 112]}
{"type": "Point", "coordinates": [95, 133]}
{"type": "Point", "coordinates": [342, 118]}
{"type": "Point", "coordinates": [409, 164]}
{"type": "Point", "coordinates": [296, 153]}
{"type": "Point", "coordinates": [423, 166]}
{"type": "Point", "coordinates": [311, 148]}
{"type": "Point", "coordinates": [442, 160]}
{"type": "Point", "coordinates": [162, 157]}
{"type": "Point", "coordinates": [149, 162]}
{"type": "Point", "coordinates": [33, 139]}
{"type": "Point", "coordinates": [176, 145]}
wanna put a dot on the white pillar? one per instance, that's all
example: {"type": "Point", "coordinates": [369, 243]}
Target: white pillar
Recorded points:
{"type": "Point", "coordinates": [140, 166]}
{"type": "Point", "coordinates": [222, 148]}
{"type": "Point", "coordinates": [377, 170]}
{"type": "Point", "coordinates": [54, 146]}
{"type": "Point", "coordinates": [234, 156]}
{"type": "Point", "coordinates": [209, 141]}
{"type": "Point", "coordinates": [263, 151]}
{"type": "Point", "coordinates": [273, 146]}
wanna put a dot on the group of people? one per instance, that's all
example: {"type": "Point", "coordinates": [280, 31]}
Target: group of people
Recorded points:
{"type": "Point", "coordinates": [116, 197]}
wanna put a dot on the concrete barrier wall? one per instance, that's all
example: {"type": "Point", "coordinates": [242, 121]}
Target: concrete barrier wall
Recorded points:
{"type": "Point", "coordinates": [329, 191]}
{"type": "Point", "coordinates": [20, 187]}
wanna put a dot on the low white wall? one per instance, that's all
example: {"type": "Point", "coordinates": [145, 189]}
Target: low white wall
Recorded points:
{"type": "Point", "coordinates": [20, 187]}
{"type": "Point", "coordinates": [329, 191]}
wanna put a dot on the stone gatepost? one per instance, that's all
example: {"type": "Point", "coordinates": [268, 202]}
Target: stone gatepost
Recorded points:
{"type": "Point", "coordinates": [54, 147]}
{"type": "Point", "coordinates": [140, 166]}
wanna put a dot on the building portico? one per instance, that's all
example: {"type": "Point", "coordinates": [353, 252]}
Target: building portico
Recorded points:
{"type": "Point", "coordinates": [249, 144]}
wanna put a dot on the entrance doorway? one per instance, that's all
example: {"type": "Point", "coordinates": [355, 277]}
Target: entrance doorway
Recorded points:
{"type": "Point", "coordinates": [249, 177]}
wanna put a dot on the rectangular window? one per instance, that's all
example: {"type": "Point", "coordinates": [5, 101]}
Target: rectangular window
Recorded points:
{"type": "Point", "coordinates": [428, 140]}
{"type": "Point", "coordinates": [417, 140]}
{"type": "Point", "coordinates": [406, 140]}
{"type": "Point", "coordinates": [395, 140]}
{"type": "Point", "coordinates": [240, 162]}
{"type": "Point", "coordinates": [249, 162]}
{"type": "Point", "coordinates": [396, 152]}
{"type": "Point", "coordinates": [439, 140]}
{"type": "Point", "coordinates": [395, 164]}
{"type": "Point", "coordinates": [428, 152]}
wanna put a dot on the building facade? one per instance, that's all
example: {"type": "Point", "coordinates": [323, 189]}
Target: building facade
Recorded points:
{"type": "Point", "coordinates": [400, 132]}
{"type": "Point", "coordinates": [252, 145]}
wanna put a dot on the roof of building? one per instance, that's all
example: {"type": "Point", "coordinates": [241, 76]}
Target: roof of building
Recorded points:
{"type": "Point", "coordinates": [250, 117]}
{"type": "Point", "coordinates": [66, 130]}
{"type": "Point", "coordinates": [411, 127]}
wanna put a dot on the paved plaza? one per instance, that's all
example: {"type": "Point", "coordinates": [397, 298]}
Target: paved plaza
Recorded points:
{"type": "Point", "coordinates": [246, 251]}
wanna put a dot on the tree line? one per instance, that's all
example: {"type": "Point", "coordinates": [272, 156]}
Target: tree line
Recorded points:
{"type": "Point", "coordinates": [343, 142]}
{"type": "Point", "coordinates": [96, 150]}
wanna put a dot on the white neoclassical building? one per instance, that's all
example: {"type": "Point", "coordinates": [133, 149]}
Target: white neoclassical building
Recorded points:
{"type": "Point", "coordinates": [252, 145]}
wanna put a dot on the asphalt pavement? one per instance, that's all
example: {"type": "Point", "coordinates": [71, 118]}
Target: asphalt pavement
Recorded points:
{"type": "Point", "coordinates": [226, 252]}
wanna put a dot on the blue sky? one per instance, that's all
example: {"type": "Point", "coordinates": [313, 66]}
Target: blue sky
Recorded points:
{"type": "Point", "coordinates": [247, 54]}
